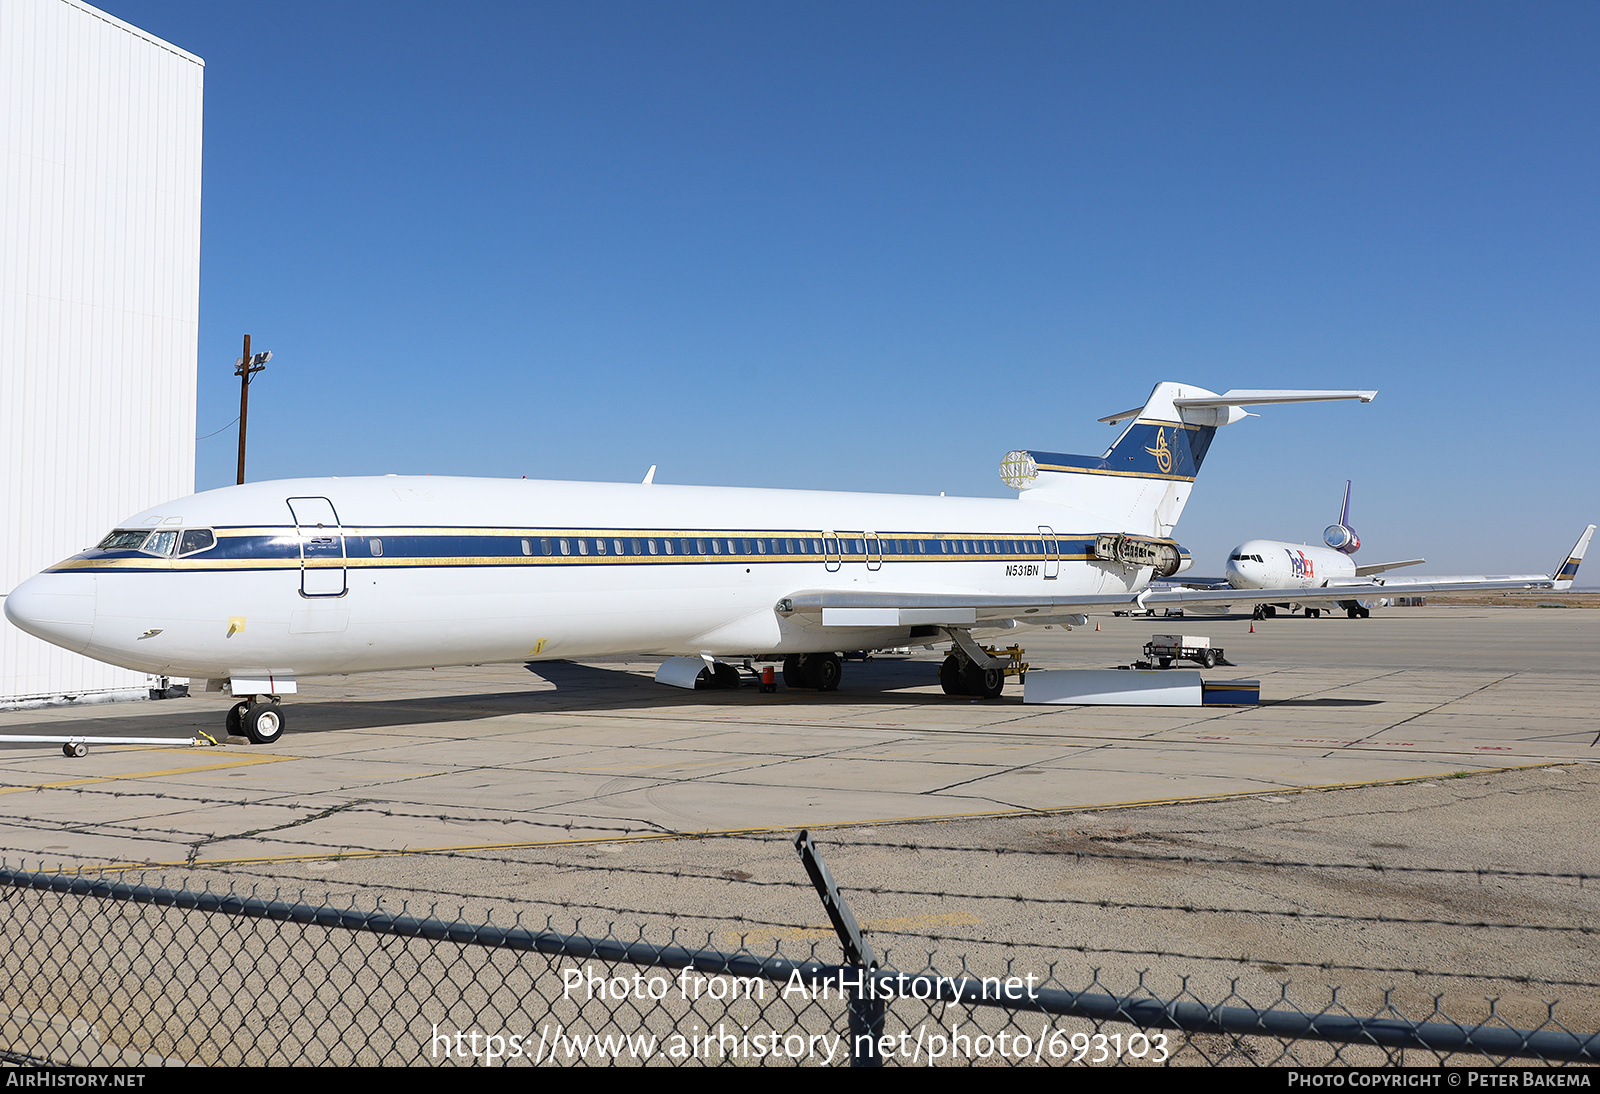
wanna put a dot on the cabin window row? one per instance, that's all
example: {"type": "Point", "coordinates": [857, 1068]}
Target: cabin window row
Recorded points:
{"type": "Point", "coordinates": [167, 543]}
{"type": "Point", "coordinates": [743, 547]}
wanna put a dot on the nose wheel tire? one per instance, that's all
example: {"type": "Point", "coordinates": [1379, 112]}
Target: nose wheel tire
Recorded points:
{"type": "Point", "coordinates": [263, 723]}
{"type": "Point", "coordinates": [235, 723]}
{"type": "Point", "coordinates": [76, 750]}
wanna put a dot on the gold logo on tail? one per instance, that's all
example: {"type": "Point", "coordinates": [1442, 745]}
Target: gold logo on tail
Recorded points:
{"type": "Point", "coordinates": [1161, 452]}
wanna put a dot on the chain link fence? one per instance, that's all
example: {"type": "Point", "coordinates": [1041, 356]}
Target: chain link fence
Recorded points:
{"type": "Point", "coordinates": [100, 971]}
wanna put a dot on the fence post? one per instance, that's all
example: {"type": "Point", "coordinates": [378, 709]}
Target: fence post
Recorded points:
{"type": "Point", "coordinates": [866, 1010]}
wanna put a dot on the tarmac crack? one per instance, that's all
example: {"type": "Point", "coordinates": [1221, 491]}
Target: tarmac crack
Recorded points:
{"type": "Point", "coordinates": [1422, 713]}
{"type": "Point", "coordinates": [196, 847]}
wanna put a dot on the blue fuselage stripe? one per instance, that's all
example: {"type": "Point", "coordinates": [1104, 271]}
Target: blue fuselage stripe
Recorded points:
{"type": "Point", "coordinates": [447, 547]}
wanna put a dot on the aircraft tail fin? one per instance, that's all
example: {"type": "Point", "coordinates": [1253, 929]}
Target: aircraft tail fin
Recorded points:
{"type": "Point", "coordinates": [1143, 480]}
{"type": "Point", "coordinates": [1342, 537]}
{"type": "Point", "coordinates": [1569, 566]}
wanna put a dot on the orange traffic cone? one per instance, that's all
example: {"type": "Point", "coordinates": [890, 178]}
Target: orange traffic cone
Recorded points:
{"type": "Point", "coordinates": [1097, 624]}
{"type": "Point", "coordinates": [1252, 626]}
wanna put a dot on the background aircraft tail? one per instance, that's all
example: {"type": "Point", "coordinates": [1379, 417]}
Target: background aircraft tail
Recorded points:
{"type": "Point", "coordinates": [1143, 480]}
{"type": "Point", "coordinates": [1569, 566]}
{"type": "Point", "coordinates": [1340, 536]}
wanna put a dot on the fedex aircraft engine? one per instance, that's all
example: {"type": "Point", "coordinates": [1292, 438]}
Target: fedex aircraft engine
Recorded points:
{"type": "Point", "coordinates": [1341, 538]}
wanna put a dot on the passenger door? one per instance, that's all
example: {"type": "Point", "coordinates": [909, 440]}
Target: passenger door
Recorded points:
{"type": "Point", "coordinates": [322, 557]}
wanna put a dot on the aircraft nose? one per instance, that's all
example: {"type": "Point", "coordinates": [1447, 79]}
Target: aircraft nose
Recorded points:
{"type": "Point", "coordinates": [58, 608]}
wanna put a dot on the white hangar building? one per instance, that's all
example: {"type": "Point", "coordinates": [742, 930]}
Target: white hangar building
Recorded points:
{"type": "Point", "coordinates": [100, 129]}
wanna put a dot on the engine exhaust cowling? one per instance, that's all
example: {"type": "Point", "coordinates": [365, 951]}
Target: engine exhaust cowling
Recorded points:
{"type": "Point", "coordinates": [1341, 538]}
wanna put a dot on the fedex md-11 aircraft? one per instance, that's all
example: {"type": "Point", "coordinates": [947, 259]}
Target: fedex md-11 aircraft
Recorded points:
{"type": "Point", "coordinates": [1271, 564]}
{"type": "Point", "coordinates": [253, 587]}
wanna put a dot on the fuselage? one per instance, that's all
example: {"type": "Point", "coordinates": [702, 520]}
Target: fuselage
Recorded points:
{"type": "Point", "coordinates": [333, 575]}
{"type": "Point", "coordinates": [1270, 564]}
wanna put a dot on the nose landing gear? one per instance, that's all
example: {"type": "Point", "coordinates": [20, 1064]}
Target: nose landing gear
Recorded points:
{"type": "Point", "coordinates": [259, 718]}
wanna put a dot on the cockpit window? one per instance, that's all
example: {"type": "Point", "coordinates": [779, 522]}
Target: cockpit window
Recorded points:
{"type": "Point", "coordinates": [201, 539]}
{"type": "Point", "coordinates": [160, 543]}
{"type": "Point", "coordinates": [123, 539]}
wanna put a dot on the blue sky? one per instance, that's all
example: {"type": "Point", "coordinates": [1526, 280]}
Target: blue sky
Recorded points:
{"type": "Point", "coordinates": [875, 246]}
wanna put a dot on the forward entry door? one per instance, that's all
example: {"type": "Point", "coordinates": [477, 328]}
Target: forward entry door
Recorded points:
{"type": "Point", "coordinates": [322, 566]}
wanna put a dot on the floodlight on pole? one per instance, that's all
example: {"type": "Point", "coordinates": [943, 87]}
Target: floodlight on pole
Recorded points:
{"type": "Point", "coordinates": [244, 368]}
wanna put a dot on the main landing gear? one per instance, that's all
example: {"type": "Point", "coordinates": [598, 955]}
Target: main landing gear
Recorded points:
{"type": "Point", "coordinates": [959, 676]}
{"type": "Point", "coordinates": [259, 718]}
{"type": "Point", "coordinates": [821, 671]}
{"type": "Point", "coordinates": [972, 670]}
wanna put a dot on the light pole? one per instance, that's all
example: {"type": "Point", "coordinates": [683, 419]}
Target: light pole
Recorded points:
{"type": "Point", "coordinates": [244, 368]}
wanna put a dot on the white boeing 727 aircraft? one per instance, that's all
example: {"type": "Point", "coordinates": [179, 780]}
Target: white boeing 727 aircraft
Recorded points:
{"type": "Point", "coordinates": [254, 586]}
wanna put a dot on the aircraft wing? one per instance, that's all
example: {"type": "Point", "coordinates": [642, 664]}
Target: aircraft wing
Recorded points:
{"type": "Point", "coordinates": [851, 608]}
{"type": "Point", "coordinates": [1370, 590]}
{"type": "Point", "coordinates": [1379, 567]}
{"type": "Point", "coordinates": [871, 608]}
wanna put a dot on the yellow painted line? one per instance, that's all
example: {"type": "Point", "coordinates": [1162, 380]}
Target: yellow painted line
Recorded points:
{"type": "Point", "coordinates": [243, 761]}
{"type": "Point", "coordinates": [1063, 469]}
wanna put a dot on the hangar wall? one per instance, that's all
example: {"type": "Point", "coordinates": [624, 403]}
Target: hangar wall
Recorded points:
{"type": "Point", "coordinates": [100, 128]}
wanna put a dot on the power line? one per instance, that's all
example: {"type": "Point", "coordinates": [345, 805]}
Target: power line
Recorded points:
{"type": "Point", "coordinates": [208, 436]}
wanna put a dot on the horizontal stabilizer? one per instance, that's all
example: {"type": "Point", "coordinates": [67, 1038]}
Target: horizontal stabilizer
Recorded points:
{"type": "Point", "coordinates": [1251, 397]}
{"type": "Point", "coordinates": [1242, 397]}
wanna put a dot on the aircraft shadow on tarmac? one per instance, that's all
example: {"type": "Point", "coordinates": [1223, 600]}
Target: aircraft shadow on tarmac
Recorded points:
{"type": "Point", "coordinates": [577, 687]}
